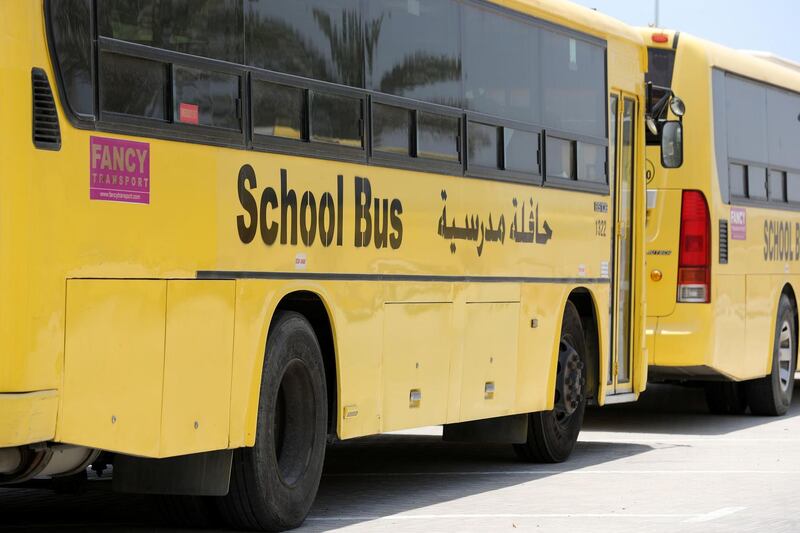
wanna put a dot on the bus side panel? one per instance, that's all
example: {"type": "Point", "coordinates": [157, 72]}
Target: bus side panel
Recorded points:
{"type": "Point", "coordinates": [538, 346]}
{"type": "Point", "coordinates": [417, 349]}
{"type": "Point", "coordinates": [355, 311]}
{"type": "Point", "coordinates": [197, 366]}
{"type": "Point", "coordinates": [762, 301]}
{"type": "Point", "coordinates": [147, 366]}
{"type": "Point", "coordinates": [114, 365]}
{"type": "Point", "coordinates": [488, 384]}
{"type": "Point", "coordinates": [728, 327]}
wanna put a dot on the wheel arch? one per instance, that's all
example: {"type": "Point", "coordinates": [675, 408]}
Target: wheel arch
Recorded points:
{"type": "Point", "coordinates": [586, 305]}
{"type": "Point", "coordinates": [313, 307]}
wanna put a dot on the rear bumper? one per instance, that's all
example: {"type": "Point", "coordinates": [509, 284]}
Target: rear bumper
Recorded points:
{"type": "Point", "coordinates": [27, 417]}
{"type": "Point", "coordinates": [682, 343]}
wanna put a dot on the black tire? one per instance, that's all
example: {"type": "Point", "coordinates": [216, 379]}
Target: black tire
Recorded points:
{"type": "Point", "coordinates": [274, 483]}
{"type": "Point", "coordinates": [726, 397]}
{"type": "Point", "coordinates": [552, 434]}
{"type": "Point", "coordinates": [772, 394]}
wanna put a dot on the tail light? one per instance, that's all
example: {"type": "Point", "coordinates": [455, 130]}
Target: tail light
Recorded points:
{"type": "Point", "coordinates": [694, 265]}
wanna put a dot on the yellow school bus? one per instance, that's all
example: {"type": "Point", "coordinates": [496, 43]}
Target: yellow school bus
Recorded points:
{"type": "Point", "coordinates": [723, 231]}
{"type": "Point", "coordinates": [234, 230]}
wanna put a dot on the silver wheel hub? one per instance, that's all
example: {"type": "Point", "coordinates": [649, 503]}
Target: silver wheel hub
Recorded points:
{"type": "Point", "coordinates": [785, 354]}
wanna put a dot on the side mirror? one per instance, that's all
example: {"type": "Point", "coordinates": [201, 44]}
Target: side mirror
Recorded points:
{"type": "Point", "coordinates": [672, 144]}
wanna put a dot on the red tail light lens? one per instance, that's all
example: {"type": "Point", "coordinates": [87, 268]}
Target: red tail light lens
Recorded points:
{"type": "Point", "coordinates": [694, 265]}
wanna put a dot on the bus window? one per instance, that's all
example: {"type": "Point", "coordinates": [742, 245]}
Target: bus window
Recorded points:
{"type": "Point", "coordinates": [482, 147]}
{"type": "Point", "coordinates": [521, 151]}
{"type": "Point", "coordinates": [504, 88]}
{"type": "Point", "coordinates": [416, 52]}
{"type": "Point", "coordinates": [206, 28]}
{"type": "Point", "coordinates": [560, 158]}
{"type": "Point", "coordinates": [438, 136]}
{"type": "Point", "coordinates": [737, 176]}
{"type": "Point", "coordinates": [278, 110]}
{"type": "Point", "coordinates": [777, 186]}
{"type": "Point", "coordinates": [591, 162]}
{"type": "Point", "coordinates": [793, 187]}
{"type": "Point", "coordinates": [391, 129]}
{"type": "Point", "coordinates": [206, 98]}
{"type": "Point", "coordinates": [336, 119]}
{"type": "Point", "coordinates": [133, 86]}
{"type": "Point", "coordinates": [573, 90]}
{"type": "Point", "coordinates": [72, 34]}
{"type": "Point", "coordinates": [756, 182]}
{"type": "Point", "coordinates": [316, 39]}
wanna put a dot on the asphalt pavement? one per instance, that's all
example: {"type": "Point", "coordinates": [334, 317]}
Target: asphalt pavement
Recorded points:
{"type": "Point", "coordinates": [663, 464]}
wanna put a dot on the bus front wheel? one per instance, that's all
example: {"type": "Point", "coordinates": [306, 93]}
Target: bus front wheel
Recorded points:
{"type": "Point", "coordinates": [552, 434]}
{"type": "Point", "coordinates": [274, 483]}
{"type": "Point", "coordinates": [772, 394]}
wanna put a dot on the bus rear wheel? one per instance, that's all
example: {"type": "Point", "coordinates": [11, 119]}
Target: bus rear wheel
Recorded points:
{"type": "Point", "coordinates": [552, 434]}
{"type": "Point", "coordinates": [772, 394]}
{"type": "Point", "coordinates": [274, 483]}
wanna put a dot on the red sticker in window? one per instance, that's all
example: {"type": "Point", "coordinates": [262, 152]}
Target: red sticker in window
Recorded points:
{"type": "Point", "coordinates": [189, 113]}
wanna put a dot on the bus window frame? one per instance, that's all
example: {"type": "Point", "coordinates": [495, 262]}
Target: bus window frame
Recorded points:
{"type": "Point", "coordinates": [248, 140]}
{"type": "Point", "coordinates": [414, 162]}
{"type": "Point", "coordinates": [305, 146]}
{"type": "Point", "coordinates": [502, 174]}
{"type": "Point", "coordinates": [576, 184]}
{"type": "Point", "coordinates": [169, 129]}
{"type": "Point", "coordinates": [767, 203]}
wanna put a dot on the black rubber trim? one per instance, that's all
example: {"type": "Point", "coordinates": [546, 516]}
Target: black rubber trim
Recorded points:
{"type": "Point", "coordinates": [315, 276]}
{"type": "Point", "coordinates": [675, 40]}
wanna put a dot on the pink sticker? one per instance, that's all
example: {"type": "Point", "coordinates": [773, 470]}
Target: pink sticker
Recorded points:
{"type": "Point", "coordinates": [189, 113]}
{"type": "Point", "coordinates": [120, 170]}
{"type": "Point", "coordinates": [738, 224]}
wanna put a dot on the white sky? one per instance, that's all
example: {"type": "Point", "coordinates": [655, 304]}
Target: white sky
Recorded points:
{"type": "Point", "coordinates": [766, 25]}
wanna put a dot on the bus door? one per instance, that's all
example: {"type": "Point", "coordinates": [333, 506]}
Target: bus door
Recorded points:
{"type": "Point", "coordinates": [622, 157]}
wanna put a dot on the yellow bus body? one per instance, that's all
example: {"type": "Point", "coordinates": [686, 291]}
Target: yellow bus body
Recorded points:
{"type": "Point", "coordinates": [123, 329]}
{"type": "Point", "coordinates": [732, 336]}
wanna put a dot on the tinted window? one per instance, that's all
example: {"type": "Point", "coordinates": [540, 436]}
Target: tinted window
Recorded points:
{"type": "Point", "coordinates": [319, 39]}
{"type": "Point", "coordinates": [521, 151]}
{"type": "Point", "coordinates": [336, 119]}
{"type": "Point", "coordinates": [278, 110]}
{"type": "Point", "coordinates": [208, 28]}
{"type": "Point", "coordinates": [660, 66]}
{"type": "Point", "coordinates": [746, 115]}
{"type": "Point", "coordinates": [738, 180]}
{"type": "Point", "coordinates": [482, 145]}
{"type": "Point", "coordinates": [560, 158]}
{"type": "Point", "coordinates": [501, 70]}
{"type": "Point", "coordinates": [783, 120]}
{"type": "Point", "coordinates": [72, 35]}
{"type": "Point", "coordinates": [573, 85]}
{"type": "Point", "coordinates": [793, 187]}
{"type": "Point", "coordinates": [416, 50]}
{"type": "Point", "coordinates": [437, 136]}
{"type": "Point", "coordinates": [661, 63]}
{"type": "Point", "coordinates": [206, 98]}
{"type": "Point", "coordinates": [592, 162]}
{"type": "Point", "coordinates": [757, 182]}
{"type": "Point", "coordinates": [777, 186]}
{"type": "Point", "coordinates": [133, 86]}
{"type": "Point", "coordinates": [391, 129]}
